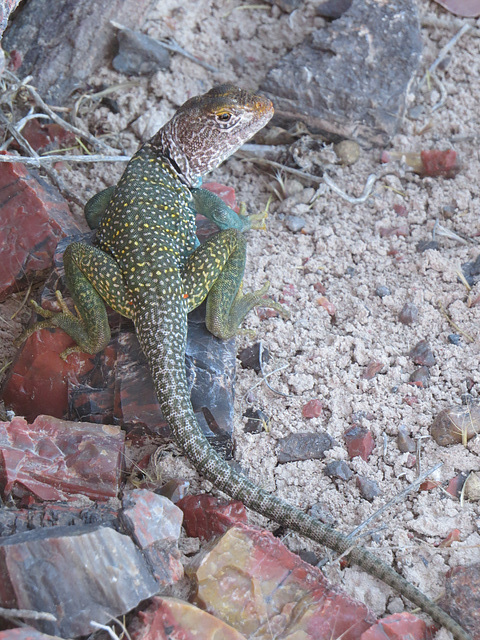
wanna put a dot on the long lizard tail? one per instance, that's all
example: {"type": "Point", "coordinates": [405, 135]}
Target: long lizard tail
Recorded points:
{"type": "Point", "coordinates": [161, 330]}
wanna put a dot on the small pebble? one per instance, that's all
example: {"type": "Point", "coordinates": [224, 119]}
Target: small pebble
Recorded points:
{"type": "Point", "coordinates": [409, 313]}
{"type": "Point", "coordinates": [425, 245]}
{"type": "Point", "coordinates": [368, 488]}
{"type": "Point", "coordinates": [338, 469]}
{"type": "Point", "coordinates": [350, 271]}
{"type": "Point", "coordinates": [347, 151]}
{"type": "Point", "coordinates": [422, 354]}
{"type": "Point", "coordinates": [250, 357]}
{"type": "Point", "coordinates": [454, 338]}
{"type": "Point", "coordinates": [294, 223]}
{"type": "Point", "coordinates": [456, 424]}
{"type": "Point", "coordinates": [472, 487]}
{"type": "Point", "coordinates": [303, 446]}
{"type": "Point", "coordinates": [321, 512]}
{"type": "Point", "coordinates": [383, 291]}
{"type": "Point", "coordinates": [420, 377]}
{"type": "Point", "coordinates": [257, 421]}
{"type": "Point", "coordinates": [405, 442]}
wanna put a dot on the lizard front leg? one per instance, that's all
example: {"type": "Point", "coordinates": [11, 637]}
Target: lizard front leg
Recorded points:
{"type": "Point", "coordinates": [92, 278]}
{"type": "Point", "coordinates": [215, 209]}
{"type": "Point", "coordinates": [215, 271]}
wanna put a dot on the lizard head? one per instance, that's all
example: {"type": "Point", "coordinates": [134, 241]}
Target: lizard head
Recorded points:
{"type": "Point", "coordinates": [207, 129]}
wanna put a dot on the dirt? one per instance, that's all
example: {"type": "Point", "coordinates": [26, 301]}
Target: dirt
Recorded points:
{"type": "Point", "coordinates": [341, 247]}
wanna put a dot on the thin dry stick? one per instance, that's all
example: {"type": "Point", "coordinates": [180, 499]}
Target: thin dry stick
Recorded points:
{"type": "Point", "coordinates": [260, 354]}
{"type": "Point", "coordinates": [26, 613]}
{"type": "Point", "coordinates": [444, 313]}
{"type": "Point", "coordinates": [397, 498]}
{"type": "Point", "coordinates": [41, 161]}
{"type": "Point", "coordinates": [367, 190]}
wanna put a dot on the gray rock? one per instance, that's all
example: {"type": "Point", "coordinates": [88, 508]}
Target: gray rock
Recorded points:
{"type": "Point", "coordinates": [338, 469]}
{"type": "Point", "coordinates": [77, 574]}
{"type": "Point", "coordinates": [294, 223]}
{"type": "Point", "coordinates": [138, 54]}
{"type": "Point", "coordinates": [383, 291]}
{"type": "Point", "coordinates": [350, 78]}
{"type": "Point", "coordinates": [303, 446]}
{"type": "Point", "coordinates": [408, 313]}
{"type": "Point", "coordinates": [420, 376]}
{"type": "Point", "coordinates": [422, 354]}
{"type": "Point", "coordinates": [368, 488]}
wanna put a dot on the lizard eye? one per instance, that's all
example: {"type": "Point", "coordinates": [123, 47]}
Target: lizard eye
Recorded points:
{"type": "Point", "coordinates": [225, 116]}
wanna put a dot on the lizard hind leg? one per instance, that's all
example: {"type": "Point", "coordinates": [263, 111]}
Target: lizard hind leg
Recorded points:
{"type": "Point", "coordinates": [215, 271]}
{"type": "Point", "coordinates": [92, 277]}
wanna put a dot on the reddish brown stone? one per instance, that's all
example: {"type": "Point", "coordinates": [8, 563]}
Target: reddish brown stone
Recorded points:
{"type": "Point", "coordinates": [455, 485]}
{"type": "Point", "coordinates": [149, 518]}
{"type": "Point", "coordinates": [422, 354]}
{"type": "Point", "coordinates": [39, 379]}
{"type": "Point", "coordinates": [55, 460]}
{"type": "Point", "coordinates": [34, 218]}
{"type": "Point", "coordinates": [372, 369]}
{"type": "Point", "coordinates": [400, 210]}
{"type": "Point", "coordinates": [207, 516]}
{"type": "Point", "coordinates": [44, 136]}
{"type": "Point", "coordinates": [313, 409]}
{"type": "Point", "coordinates": [399, 626]}
{"type": "Point", "coordinates": [386, 232]}
{"type": "Point", "coordinates": [428, 485]}
{"type": "Point", "coordinates": [227, 194]}
{"type": "Point", "coordinates": [359, 442]}
{"type": "Point", "coordinates": [326, 304]}
{"type": "Point", "coordinates": [320, 288]}
{"type": "Point", "coordinates": [439, 163]}
{"type": "Point", "coordinates": [452, 536]}
{"type": "Point", "coordinates": [462, 597]}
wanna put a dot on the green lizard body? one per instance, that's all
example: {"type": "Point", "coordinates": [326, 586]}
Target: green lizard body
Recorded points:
{"type": "Point", "coordinates": [147, 265]}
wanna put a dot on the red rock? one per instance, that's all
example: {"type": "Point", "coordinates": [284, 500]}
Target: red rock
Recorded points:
{"type": "Point", "coordinates": [206, 516]}
{"type": "Point", "coordinates": [326, 304]}
{"type": "Point", "coordinates": [15, 60]}
{"type": "Point", "coordinates": [39, 380]}
{"type": "Point", "coordinates": [254, 583]}
{"type": "Point", "coordinates": [313, 409]}
{"type": "Point", "coordinates": [400, 210]}
{"type": "Point", "coordinates": [372, 369]}
{"type": "Point", "coordinates": [410, 400]}
{"type": "Point", "coordinates": [386, 232]}
{"type": "Point", "coordinates": [54, 459]}
{"type": "Point", "coordinates": [320, 288]}
{"type": "Point", "coordinates": [265, 313]}
{"type": "Point", "coordinates": [428, 485]}
{"type": "Point", "coordinates": [399, 626]}
{"type": "Point", "coordinates": [227, 194]}
{"type": "Point", "coordinates": [452, 536]}
{"type": "Point", "coordinates": [34, 218]}
{"type": "Point", "coordinates": [44, 136]}
{"type": "Point", "coordinates": [455, 485]}
{"type": "Point", "coordinates": [169, 618]}
{"type": "Point", "coordinates": [149, 518]}
{"type": "Point", "coordinates": [439, 163]}
{"type": "Point", "coordinates": [411, 461]}
{"type": "Point", "coordinates": [462, 597]}
{"type": "Point", "coordinates": [359, 442]}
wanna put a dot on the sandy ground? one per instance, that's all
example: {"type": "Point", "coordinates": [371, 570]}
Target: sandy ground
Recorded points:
{"type": "Point", "coordinates": [340, 247]}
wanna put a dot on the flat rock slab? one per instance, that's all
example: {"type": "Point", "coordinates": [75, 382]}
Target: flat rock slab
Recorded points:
{"type": "Point", "coordinates": [62, 43]}
{"type": "Point", "coordinates": [350, 79]}
{"type": "Point", "coordinates": [55, 460]}
{"type": "Point", "coordinates": [254, 583]}
{"type": "Point", "coordinates": [78, 575]}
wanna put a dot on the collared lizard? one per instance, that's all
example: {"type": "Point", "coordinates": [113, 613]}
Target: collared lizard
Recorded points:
{"type": "Point", "coordinates": [146, 264]}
